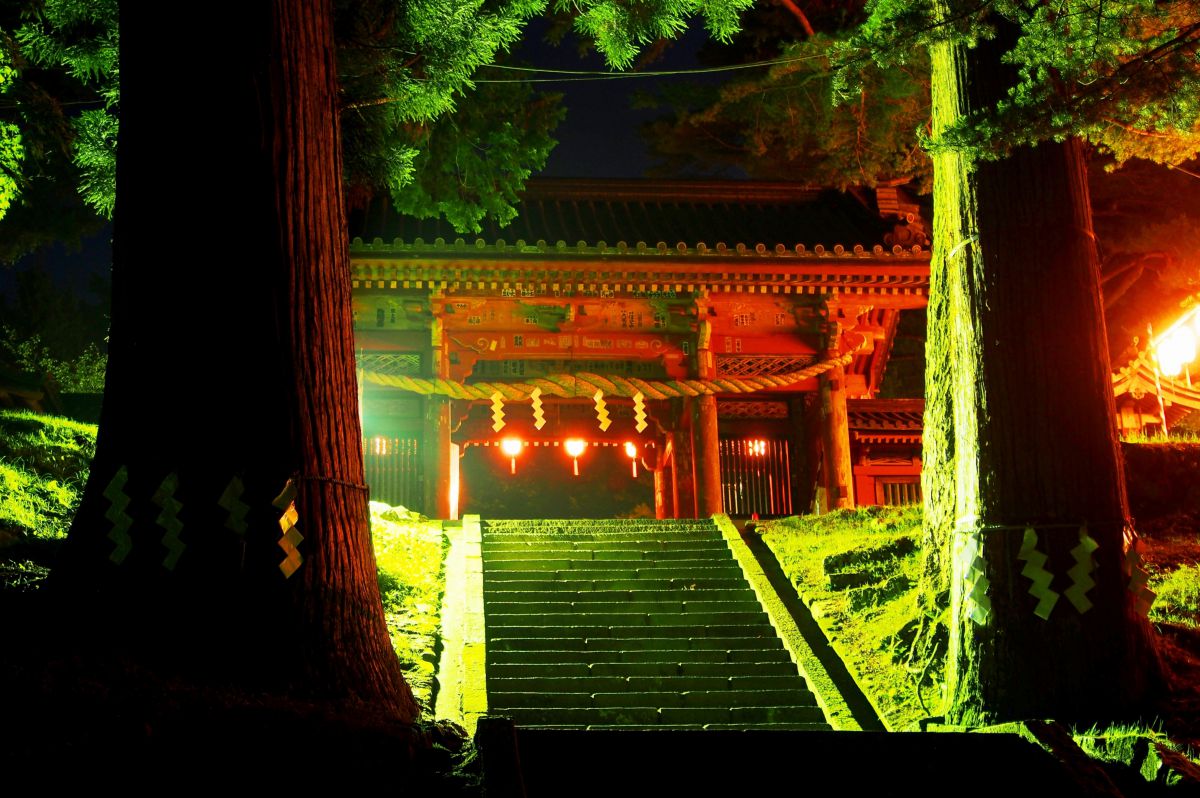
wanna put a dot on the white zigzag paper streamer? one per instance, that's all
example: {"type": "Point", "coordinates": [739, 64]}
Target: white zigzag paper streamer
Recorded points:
{"type": "Point", "coordinates": [601, 410]}
{"type": "Point", "coordinates": [1081, 572]}
{"type": "Point", "coordinates": [977, 604]}
{"type": "Point", "coordinates": [168, 519]}
{"type": "Point", "coordinates": [1035, 571]}
{"type": "Point", "coordinates": [539, 418]}
{"type": "Point", "coordinates": [497, 411]}
{"type": "Point", "coordinates": [291, 537]}
{"type": "Point", "coordinates": [639, 411]}
{"type": "Point", "coordinates": [121, 520]}
{"type": "Point", "coordinates": [236, 509]}
{"type": "Point", "coordinates": [1143, 596]}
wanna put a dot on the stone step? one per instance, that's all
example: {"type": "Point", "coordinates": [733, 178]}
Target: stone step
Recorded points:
{"type": "Point", "coordinates": [806, 727]}
{"type": "Point", "coordinates": [495, 545]}
{"type": "Point", "coordinates": [640, 631]}
{"type": "Point", "coordinates": [724, 699]}
{"type": "Point", "coordinates": [699, 596]}
{"type": "Point", "coordinates": [622, 566]}
{"type": "Point", "coordinates": [664, 716]}
{"type": "Point", "coordinates": [633, 553]}
{"type": "Point", "coordinates": [598, 523]}
{"type": "Point", "coordinates": [499, 621]}
{"type": "Point", "coordinates": [606, 573]}
{"type": "Point", "coordinates": [593, 684]}
{"type": "Point", "coordinates": [664, 536]}
{"type": "Point", "coordinates": [742, 641]}
{"type": "Point", "coordinates": [546, 582]}
{"type": "Point", "coordinates": [591, 608]}
{"type": "Point", "coordinates": [671, 656]}
{"type": "Point", "coordinates": [541, 676]}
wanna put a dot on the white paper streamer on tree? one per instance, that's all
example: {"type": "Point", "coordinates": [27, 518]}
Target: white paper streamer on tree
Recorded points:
{"type": "Point", "coordinates": [291, 538]}
{"type": "Point", "coordinates": [168, 519]}
{"type": "Point", "coordinates": [1081, 572]}
{"type": "Point", "coordinates": [1139, 577]}
{"type": "Point", "coordinates": [1035, 571]}
{"type": "Point", "coordinates": [121, 520]}
{"type": "Point", "coordinates": [971, 565]}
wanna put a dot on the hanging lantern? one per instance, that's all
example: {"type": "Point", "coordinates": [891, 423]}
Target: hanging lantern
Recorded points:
{"type": "Point", "coordinates": [575, 447]}
{"type": "Point", "coordinates": [511, 448]}
{"type": "Point", "coordinates": [631, 452]}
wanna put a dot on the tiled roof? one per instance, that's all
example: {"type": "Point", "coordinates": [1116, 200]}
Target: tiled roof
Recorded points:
{"type": "Point", "coordinates": [774, 215]}
{"type": "Point", "coordinates": [892, 415]}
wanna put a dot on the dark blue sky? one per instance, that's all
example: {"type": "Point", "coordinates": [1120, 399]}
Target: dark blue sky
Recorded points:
{"type": "Point", "coordinates": [599, 137]}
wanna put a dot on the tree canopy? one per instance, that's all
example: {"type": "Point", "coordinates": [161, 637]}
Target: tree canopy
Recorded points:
{"type": "Point", "coordinates": [415, 125]}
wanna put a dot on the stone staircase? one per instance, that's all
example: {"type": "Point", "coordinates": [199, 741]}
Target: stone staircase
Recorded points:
{"type": "Point", "coordinates": [631, 624]}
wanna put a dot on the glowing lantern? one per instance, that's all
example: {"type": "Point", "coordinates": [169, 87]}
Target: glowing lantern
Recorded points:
{"type": "Point", "coordinates": [1176, 349]}
{"type": "Point", "coordinates": [511, 448]}
{"type": "Point", "coordinates": [631, 452]}
{"type": "Point", "coordinates": [575, 447]}
{"type": "Point", "coordinates": [758, 447]}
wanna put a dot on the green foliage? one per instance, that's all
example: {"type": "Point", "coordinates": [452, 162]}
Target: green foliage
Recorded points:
{"type": "Point", "coordinates": [11, 150]}
{"type": "Point", "coordinates": [83, 373]}
{"type": "Point", "coordinates": [43, 467]}
{"type": "Point", "coordinates": [1121, 73]}
{"type": "Point", "coordinates": [416, 125]}
{"type": "Point", "coordinates": [472, 164]}
{"type": "Point", "coordinates": [783, 122]}
{"type": "Point", "coordinates": [76, 39]}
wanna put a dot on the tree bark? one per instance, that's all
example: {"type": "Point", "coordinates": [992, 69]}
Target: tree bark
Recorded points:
{"type": "Point", "coordinates": [1019, 370]}
{"type": "Point", "coordinates": [231, 363]}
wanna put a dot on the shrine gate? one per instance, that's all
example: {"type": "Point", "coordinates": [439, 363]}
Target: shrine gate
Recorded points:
{"type": "Point", "coordinates": [727, 332]}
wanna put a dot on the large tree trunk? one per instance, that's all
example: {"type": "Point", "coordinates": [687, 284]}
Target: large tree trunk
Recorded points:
{"type": "Point", "coordinates": [1019, 372]}
{"type": "Point", "coordinates": [231, 363]}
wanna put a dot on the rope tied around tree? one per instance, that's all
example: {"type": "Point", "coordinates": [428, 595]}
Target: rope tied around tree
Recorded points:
{"type": "Point", "coordinates": [585, 384]}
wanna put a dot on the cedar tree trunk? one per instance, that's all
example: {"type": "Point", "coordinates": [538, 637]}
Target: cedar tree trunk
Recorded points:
{"type": "Point", "coordinates": [1021, 418]}
{"type": "Point", "coordinates": [231, 363]}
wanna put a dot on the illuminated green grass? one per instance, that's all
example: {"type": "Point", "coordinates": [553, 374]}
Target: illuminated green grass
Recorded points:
{"type": "Point", "coordinates": [43, 467]}
{"type": "Point", "coordinates": [410, 555]}
{"type": "Point", "coordinates": [1178, 596]}
{"type": "Point", "coordinates": [857, 570]}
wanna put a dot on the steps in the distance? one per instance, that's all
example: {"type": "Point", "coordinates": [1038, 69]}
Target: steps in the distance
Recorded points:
{"type": "Point", "coordinates": [631, 624]}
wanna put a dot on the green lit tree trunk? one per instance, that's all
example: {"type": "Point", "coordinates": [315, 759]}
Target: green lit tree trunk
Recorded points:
{"type": "Point", "coordinates": [232, 357]}
{"type": "Point", "coordinates": [1022, 421]}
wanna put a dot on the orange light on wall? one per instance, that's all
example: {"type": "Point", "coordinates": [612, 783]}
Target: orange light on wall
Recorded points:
{"type": "Point", "coordinates": [511, 448]}
{"type": "Point", "coordinates": [757, 448]}
{"type": "Point", "coordinates": [631, 452]}
{"type": "Point", "coordinates": [575, 447]}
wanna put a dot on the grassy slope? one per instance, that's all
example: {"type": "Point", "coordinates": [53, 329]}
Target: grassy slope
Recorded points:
{"type": "Point", "coordinates": [868, 619]}
{"type": "Point", "coordinates": [857, 571]}
{"type": "Point", "coordinates": [43, 467]}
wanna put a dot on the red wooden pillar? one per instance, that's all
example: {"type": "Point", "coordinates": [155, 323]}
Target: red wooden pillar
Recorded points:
{"type": "Point", "coordinates": [664, 487]}
{"type": "Point", "coordinates": [835, 437]}
{"type": "Point", "coordinates": [707, 456]}
{"type": "Point", "coordinates": [685, 479]}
